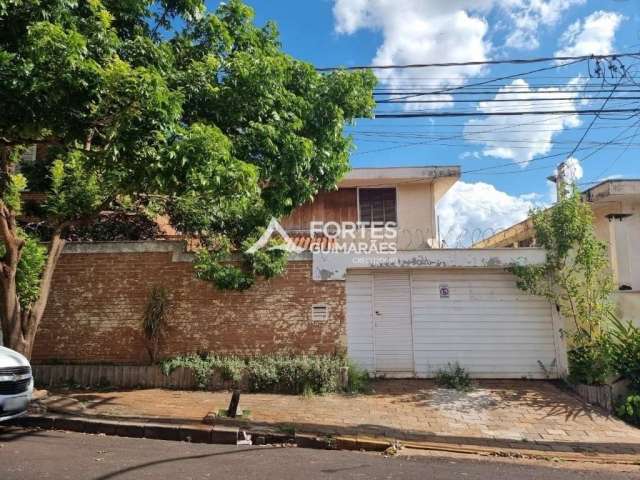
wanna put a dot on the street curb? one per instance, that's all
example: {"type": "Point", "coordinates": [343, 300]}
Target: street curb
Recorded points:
{"type": "Point", "coordinates": [229, 435]}
{"type": "Point", "coordinates": [155, 430]}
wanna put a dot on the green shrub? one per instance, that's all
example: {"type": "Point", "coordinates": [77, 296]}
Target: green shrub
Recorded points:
{"type": "Point", "coordinates": [270, 373]}
{"type": "Point", "coordinates": [263, 374]}
{"type": "Point", "coordinates": [297, 374]}
{"type": "Point", "coordinates": [454, 376]}
{"type": "Point", "coordinates": [625, 351]}
{"type": "Point", "coordinates": [202, 367]}
{"type": "Point", "coordinates": [629, 410]}
{"type": "Point", "coordinates": [230, 368]}
{"type": "Point", "coordinates": [359, 380]}
{"type": "Point", "coordinates": [590, 363]}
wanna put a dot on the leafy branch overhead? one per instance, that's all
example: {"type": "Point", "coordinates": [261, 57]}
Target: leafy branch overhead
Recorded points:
{"type": "Point", "coordinates": [167, 107]}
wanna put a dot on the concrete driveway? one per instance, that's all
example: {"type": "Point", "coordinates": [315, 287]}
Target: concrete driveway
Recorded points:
{"type": "Point", "coordinates": [531, 414]}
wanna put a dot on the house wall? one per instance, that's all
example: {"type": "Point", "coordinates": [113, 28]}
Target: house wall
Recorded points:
{"type": "Point", "coordinates": [415, 208]}
{"type": "Point", "coordinates": [416, 217]}
{"type": "Point", "coordinates": [628, 306]}
{"type": "Point", "coordinates": [622, 237]}
{"type": "Point", "coordinates": [100, 291]}
{"type": "Point", "coordinates": [338, 206]}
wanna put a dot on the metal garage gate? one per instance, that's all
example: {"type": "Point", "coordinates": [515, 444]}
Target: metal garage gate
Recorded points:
{"type": "Point", "coordinates": [412, 323]}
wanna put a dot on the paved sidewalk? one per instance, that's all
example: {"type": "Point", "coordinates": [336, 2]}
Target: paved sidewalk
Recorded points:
{"type": "Point", "coordinates": [515, 414]}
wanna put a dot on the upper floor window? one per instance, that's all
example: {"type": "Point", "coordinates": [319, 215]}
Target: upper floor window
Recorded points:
{"type": "Point", "coordinates": [377, 205]}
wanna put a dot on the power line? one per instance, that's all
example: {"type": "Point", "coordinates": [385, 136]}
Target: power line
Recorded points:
{"type": "Point", "coordinates": [494, 92]}
{"type": "Point", "coordinates": [604, 104]}
{"type": "Point", "coordinates": [555, 155]}
{"type": "Point", "coordinates": [615, 160]}
{"type": "Point", "coordinates": [423, 134]}
{"type": "Point", "coordinates": [522, 144]}
{"type": "Point", "coordinates": [462, 135]}
{"type": "Point", "coordinates": [506, 77]}
{"type": "Point", "coordinates": [498, 100]}
{"type": "Point", "coordinates": [512, 61]}
{"type": "Point", "coordinates": [492, 114]}
{"type": "Point", "coordinates": [447, 125]}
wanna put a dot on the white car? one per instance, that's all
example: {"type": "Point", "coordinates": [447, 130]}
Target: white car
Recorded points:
{"type": "Point", "coordinates": [16, 384]}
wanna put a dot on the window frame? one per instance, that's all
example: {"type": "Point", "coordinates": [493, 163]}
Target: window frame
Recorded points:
{"type": "Point", "coordinates": [361, 224]}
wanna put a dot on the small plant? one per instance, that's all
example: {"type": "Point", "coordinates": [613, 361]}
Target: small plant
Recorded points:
{"type": "Point", "coordinates": [625, 351]}
{"type": "Point", "coordinates": [287, 428]}
{"type": "Point", "coordinates": [358, 379]}
{"type": "Point", "coordinates": [241, 415]}
{"type": "Point", "coordinates": [547, 371]}
{"type": "Point", "coordinates": [155, 320]}
{"type": "Point", "coordinates": [307, 391]}
{"type": "Point", "coordinates": [454, 376]}
{"type": "Point", "coordinates": [629, 410]}
{"type": "Point", "coordinates": [590, 361]}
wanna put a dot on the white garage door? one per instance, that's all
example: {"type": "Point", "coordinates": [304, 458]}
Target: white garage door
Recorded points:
{"type": "Point", "coordinates": [406, 323]}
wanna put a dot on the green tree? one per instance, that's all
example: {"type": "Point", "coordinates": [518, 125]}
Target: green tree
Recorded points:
{"type": "Point", "coordinates": [165, 106]}
{"type": "Point", "coordinates": [576, 278]}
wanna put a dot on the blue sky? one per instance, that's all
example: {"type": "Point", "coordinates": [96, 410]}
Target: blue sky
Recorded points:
{"type": "Point", "coordinates": [362, 32]}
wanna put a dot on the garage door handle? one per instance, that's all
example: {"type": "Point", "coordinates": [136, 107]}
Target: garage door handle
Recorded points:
{"type": "Point", "coordinates": [378, 312]}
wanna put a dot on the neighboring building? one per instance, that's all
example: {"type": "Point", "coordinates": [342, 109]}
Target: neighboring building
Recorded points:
{"type": "Point", "coordinates": [616, 209]}
{"type": "Point", "coordinates": [404, 313]}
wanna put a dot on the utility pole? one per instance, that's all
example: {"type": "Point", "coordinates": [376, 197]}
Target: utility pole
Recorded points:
{"type": "Point", "coordinates": [560, 179]}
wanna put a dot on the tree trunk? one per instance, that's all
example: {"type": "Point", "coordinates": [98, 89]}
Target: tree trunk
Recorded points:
{"type": "Point", "coordinates": [19, 326]}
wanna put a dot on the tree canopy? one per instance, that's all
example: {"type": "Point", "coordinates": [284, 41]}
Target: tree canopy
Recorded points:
{"type": "Point", "coordinates": [166, 106]}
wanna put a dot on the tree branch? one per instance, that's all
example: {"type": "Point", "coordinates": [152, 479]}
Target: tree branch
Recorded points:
{"type": "Point", "coordinates": [160, 21]}
{"type": "Point", "coordinates": [37, 309]}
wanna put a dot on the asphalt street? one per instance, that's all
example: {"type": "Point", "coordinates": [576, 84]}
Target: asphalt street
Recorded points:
{"type": "Point", "coordinates": [26, 455]}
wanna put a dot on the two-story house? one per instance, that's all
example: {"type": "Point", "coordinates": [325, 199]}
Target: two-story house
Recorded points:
{"type": "Point", "coordinates": [412, 311]}
{"type": "Point", "coordinates": [367, 277]}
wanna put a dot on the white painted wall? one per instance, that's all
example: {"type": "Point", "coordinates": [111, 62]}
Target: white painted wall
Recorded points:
{"type": "Point", "coordinates": [487, 325]}
{"type": "Point", "coordinates": [416, 217]}
{"type": "Point", "coordinates": [334, 266]}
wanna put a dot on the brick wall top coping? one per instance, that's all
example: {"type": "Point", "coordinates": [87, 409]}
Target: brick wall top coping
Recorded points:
{"type": "Point", "coordinates": [175, 247]}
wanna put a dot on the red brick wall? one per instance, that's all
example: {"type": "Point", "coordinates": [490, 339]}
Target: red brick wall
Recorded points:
{"type": "Point", "coordinates": [97, 302]}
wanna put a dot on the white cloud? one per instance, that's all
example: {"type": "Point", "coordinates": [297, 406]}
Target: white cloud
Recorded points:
{"type": "Point", "coordinates": [470, 212]}
{"type": "Point", "coordinates": [418, 31]}
{"type": "Point", "coordinates": [528, 15]}
{"type": "Point", "coordinates": [522, 137]}
{"type": "Point", "coordinates": [574, 171]}
{"type": "Point", "coordinates": [436, 31]}
{"type": "Point", "coordinates": [593, 35]}
{"type": "Point", "coordinates": [467, 154]}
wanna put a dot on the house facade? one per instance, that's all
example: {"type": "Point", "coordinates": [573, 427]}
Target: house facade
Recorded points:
{"type": "Point", "coordinates": [367, 278]}
{"type": "Point", "coordinates": [616, 210]}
